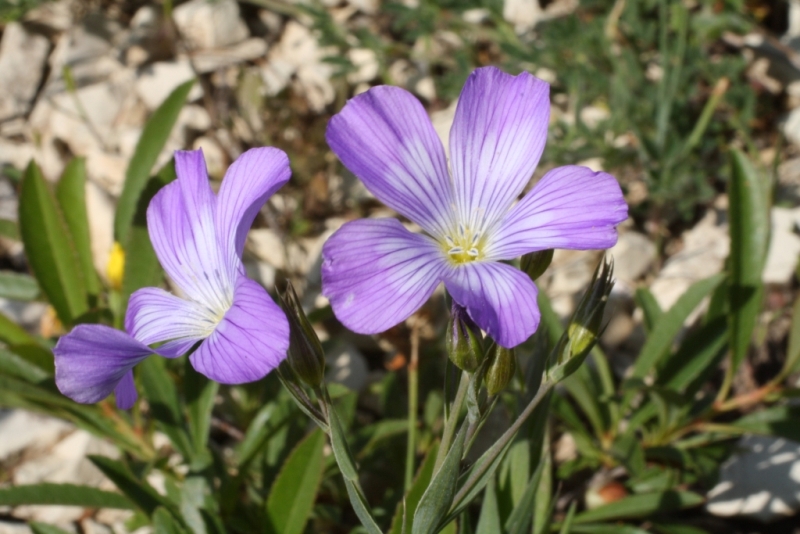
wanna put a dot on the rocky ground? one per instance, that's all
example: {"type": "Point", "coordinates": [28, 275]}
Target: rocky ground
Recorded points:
{"type": "Point", "coordinates": [80, 81]}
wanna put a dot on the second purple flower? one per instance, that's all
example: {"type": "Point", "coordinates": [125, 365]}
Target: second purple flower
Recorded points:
{"type": "Point", "coordinates": [376, 273]}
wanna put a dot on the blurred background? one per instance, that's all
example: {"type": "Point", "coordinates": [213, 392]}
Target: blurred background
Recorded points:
{"type": "Point", "coordinates": [656, 92]}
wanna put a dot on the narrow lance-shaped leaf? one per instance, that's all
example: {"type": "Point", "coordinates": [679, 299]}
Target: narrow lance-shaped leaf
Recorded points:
{"type": "Point", "coordinates": [437, 499]}
{"type": "Point", "coordinates": [748, 219]}
{"type": "Point", "coordinates": [519, 521]}
{"type": "Point", "coordinates": [489, 521]}
{"type": "Point", "coordinates": [71, 196]}
{"type": "Point", "coordinates": [165, 523]}
{"type": "Point", "coordinates": [16, 286]}
{"type": "Point", "coordinates": [411, 499]}
{"type": "Point", "coordinates": [13, 334]}
{"type": "Point", "coordinates": [44, 528]}
{"type": "Point", "coordinates": [200, 395]}
{"type": "Point", "coordinates": [138, 491]}
{"type": "Point", "coordinates": [151, 142]}
{"type": "Point", "coordinates": [640, 506]}
{"type": "Point", "coordinates": [164, 403]}
{"type": "Point", "coordinates": [49, 247]}
{"type": "Point", "coordinates": [63, 495]}
{"type": "Point", "coordinates": [661, 338]}
{"type": "Point", "coordinates": [292, 496]}
{"type": "Point", "coordinates": [361, 508]}
{"type": "Point", "coordinates": [793, 352]}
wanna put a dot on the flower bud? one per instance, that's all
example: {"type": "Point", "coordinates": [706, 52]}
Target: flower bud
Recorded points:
{"type": "Point", "coordinates": [305, 357]}
{"type": "Point", "coordinates": [534, 264]}
{"type": "Point", "coordinates": [585, 327]}
{"type": "Point", "coordinates": [464, 340]}
{"type": "Point", "coordinates": [501, 369]}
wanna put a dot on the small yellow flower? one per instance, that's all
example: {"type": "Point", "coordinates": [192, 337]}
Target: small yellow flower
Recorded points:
{"type": "Point", "coordinates": [116, 266]}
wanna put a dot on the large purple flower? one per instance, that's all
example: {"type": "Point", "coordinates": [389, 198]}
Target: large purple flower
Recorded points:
{"type": "Point", "coordinates": [198, 237]}
{"type": "Point", "coordinates": [376, 273]}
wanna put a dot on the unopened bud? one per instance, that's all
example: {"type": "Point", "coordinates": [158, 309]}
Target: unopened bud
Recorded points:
{"type": "Point", "coordinates": [534, 264]}
{"type": "Point", "coordinates": [585, 326]}
{"type": "Point", "coordinates": [463, 340]}
{"type": "Point", "coordinates": [305, 357]}
{"type": "Point", "coordinates": [501, 369]}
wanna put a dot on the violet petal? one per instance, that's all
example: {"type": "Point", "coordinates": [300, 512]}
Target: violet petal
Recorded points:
{"type": "Point", "coordinates": [92, 359]}
{"type": "Point", "coordinates": [387, 140]}
{"type": "Point", "coordinates": [248, 183]}
{"type": "Point", "coordinates": [497, 138]}
{"type": "Point", "coordinates": [180, 220]}
{"type": "Point", "coordinates": [155, 316]}
{"type": "Point", "coordinates": [376, 273]}
{"type": "Point", "coordinates": [499, 298]}
{"type": "Point", "coordinates": [249, 342]}
{"type": "Point", "coordinates": [570, 207]}
{"type": "Point", "coordinates": [125, 392]}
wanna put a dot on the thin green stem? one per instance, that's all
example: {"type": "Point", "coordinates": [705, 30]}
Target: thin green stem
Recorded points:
{"type": "Point", "coordinates": [413, 407]}
{"type": "Point", "coordinates": [452, 420]}
{"type": "Point", "coordinates": [501, 443]}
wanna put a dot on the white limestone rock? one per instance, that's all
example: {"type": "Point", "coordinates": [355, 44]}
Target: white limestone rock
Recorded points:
{"type": "Point", "coordinates": [22, 60]}
{"type": "Point", "coordinates": [210, 23]}
{"type": "Point", "coordinates": [158, 80]}
{"type": "Point", "coordinates": [761, 481]}
{"type": "Point", "coordinates": [784, 246]}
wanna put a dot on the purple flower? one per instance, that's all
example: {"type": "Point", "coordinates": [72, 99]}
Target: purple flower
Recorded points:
{"type": "Point", "coordinates": [198, 237]}
{"type": "Point", "coordinates": [376, 273]}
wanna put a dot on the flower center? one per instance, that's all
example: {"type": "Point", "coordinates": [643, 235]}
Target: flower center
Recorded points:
{"type": "Point", "coordinates": [464, 245]}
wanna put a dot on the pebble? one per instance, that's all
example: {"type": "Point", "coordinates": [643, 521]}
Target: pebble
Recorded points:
{"type": "Point", "coordinates": [22, 60]}
{"type": "Point", "coordinates": [760, 480]}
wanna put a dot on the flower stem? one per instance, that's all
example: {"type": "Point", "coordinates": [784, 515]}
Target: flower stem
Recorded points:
{"type": "Point", "coordinates": [501, 443]}
{"type": "Point", "coordinates": [413, 406]}
{"type": "Point", "coordinates": [452, 420]}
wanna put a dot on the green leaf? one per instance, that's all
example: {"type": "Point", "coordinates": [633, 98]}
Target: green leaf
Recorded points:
{"type": "Point", "coordinates": [783, 421]}
{"type": "Point", "coordinates": [71, 196]}
{"type": "Point", "coordinates": [151, 143]}
{"type": "Point", "coordinates": [9, 229]}
{"type": "Point", "coordinates": [15, 365]}
{"type": "Point", "coordinates": [292, 496]}
{"type": "Point", "coordinates": [164, 404]}
{"type": "Point", "coordinates": [142, 268]}
{"type": "Point", "coordinates": [13, 334]}
{"type": "Point", "coordinates": [698, 354]}
{"type": "Point", "coordinates": [138, 491]}
{"type": "Point", "coordinates": [519, 522]}
{"type": "Point", "coordinates": [200, 395]}
{"type": "Point", "coordinates": [344, 458]}
{"type": "Point", "coordinates": [411, 500]}
{"type": "Point", "coordinates": [165, 523]}
{"type": "Point", "coordinates": [545, 503]}
{"type": "Point", "coordinates": [793, 352]}
{"type": "Point", "coordinates": [265, 424]}
{"type": "Point", "coordinates": [650, 308]}
{"type": "Point", "coordinates": [635, 506]}
{"type": "Point", "coordinates": [64, 495]}
{"type": "Point", "coordinates": [36, 355]}
{"type": "Point", "coordinates": [43, 528]}
{"type": "Point", "coordinates": [566, 526]}
{"type": "Point", "coordinates": [749, 223]}
{"type": "Point", "coordinates": [49, 247]}
{"type": "Point", "coordinates": [17, 286]}
{"type": "Point", "coordinates": [361, 507]}
{"type": "Point", "coordinates": [489, 521]}
{"type": "Point", "coordinates": [663, 335]}
{"type": "Point", "coordinates": [438, 498]}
